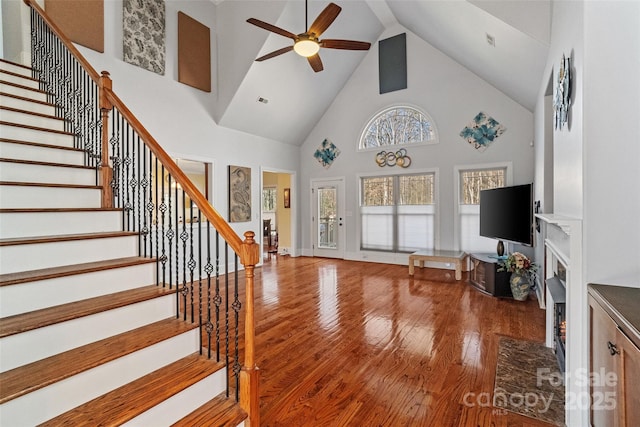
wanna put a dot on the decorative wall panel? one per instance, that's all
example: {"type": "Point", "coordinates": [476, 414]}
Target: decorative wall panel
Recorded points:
{"type": "Point", "coordinates": [239, 194]}
{"type": "Point", "coordinates": [80, 20]}
{"type": "Point", "coordinates": [144, 34]}
{"type": "Point", "coordinates": [194, 53]}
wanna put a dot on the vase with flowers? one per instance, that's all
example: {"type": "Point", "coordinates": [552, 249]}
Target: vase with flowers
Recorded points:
{"type": "Point", "coordinates": [523, 273]}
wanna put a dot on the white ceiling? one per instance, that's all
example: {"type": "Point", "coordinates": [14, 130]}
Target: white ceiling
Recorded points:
{"type": "Point", "coordinates": [298, 97]}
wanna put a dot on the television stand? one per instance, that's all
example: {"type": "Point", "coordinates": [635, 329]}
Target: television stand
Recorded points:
{"type": "Point", "coordinates": [485, 277]}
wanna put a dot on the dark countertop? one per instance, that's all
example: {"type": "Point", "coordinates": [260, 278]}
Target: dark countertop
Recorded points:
{"type": "Point", "coordinates": [623, 305]}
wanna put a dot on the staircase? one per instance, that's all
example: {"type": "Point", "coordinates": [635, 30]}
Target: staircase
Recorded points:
{"type": "Point", "coordinates": [89, 334]}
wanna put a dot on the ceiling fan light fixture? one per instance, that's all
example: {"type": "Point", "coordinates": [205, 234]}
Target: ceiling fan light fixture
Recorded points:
{"type": "Point", "coordinates": [306, 47]}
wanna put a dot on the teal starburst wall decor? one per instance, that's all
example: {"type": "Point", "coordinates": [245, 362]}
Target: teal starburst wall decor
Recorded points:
{"type": "Point", "coordinates": [482, 131]}
{"type": "Point", "coordinates": [326, 153]}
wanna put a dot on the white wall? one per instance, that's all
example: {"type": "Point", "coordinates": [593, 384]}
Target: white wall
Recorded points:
{"type": "Point", "coordinates": [452, 95]}
{"type": "Point", "coordinates": [596, 160]}
{"type": "Point", "coordinates": [180, 117]}
{"type": "Point", "coordinates": [612, 151]}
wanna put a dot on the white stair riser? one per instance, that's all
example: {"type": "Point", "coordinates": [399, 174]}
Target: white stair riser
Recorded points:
{"type": "Point", "coordinates": [22, 104]}
{"type": "Point", "coordinates": [36, 135]}
{"type": "Point", "coordinates": [31, 224]}
{"type": "Point", "coordinates": [27, 347]}
{"type": "Point", "coordinates": [183, 403]}
{"type": "Point", "coordinates": [23, 81]}
{"type": "Point", "coordinates": [32, 120]}
{"type": "Point", "coordinates": [17, 196]}
{"type": "Point", "coordinates": [25, 93]}
{"type": "Point", "coordinates": [9, 150]}
{"type": "Point", "coordinates": [51, 401]}
{"type": "Point", "coordinates": [31, 296]}
{"type": "Point", "coordinates": [15, 69]}
{"type": "Point", "coordinates": [42, 174]}
{"type": "Point", "coordinates": [54, 254]}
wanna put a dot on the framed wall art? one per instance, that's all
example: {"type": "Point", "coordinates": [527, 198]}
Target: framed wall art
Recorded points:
{"type": "Point", "coordinates": [239, 194]}
{"type": "Point", "coordinates": [143, 26]}
{"type": "Point", "coordinates": [287, 198]}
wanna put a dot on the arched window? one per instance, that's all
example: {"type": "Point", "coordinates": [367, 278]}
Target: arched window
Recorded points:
{"type": "Point", "coordinates": [399, 125]}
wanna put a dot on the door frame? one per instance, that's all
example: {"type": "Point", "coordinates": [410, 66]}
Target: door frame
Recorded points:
{"type": "Point", "coordinates": [338, 253]}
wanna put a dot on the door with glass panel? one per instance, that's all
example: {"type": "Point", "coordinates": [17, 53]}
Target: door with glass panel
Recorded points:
{"type": "Point", "coordinates": [327, 218]}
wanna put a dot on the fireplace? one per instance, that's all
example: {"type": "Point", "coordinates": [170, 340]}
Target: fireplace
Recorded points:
{"type": "Point", "coordinates": [566, 322]}
{"type": "Point", "coordinates": [558, 294]}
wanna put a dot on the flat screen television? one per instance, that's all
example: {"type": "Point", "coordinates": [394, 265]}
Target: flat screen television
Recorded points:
{"type": "Point", "coordinates": [506, 213]}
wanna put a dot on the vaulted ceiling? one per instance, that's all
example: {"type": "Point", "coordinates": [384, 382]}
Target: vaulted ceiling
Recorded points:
{"type": "Point", "coordinates": [297, 97]}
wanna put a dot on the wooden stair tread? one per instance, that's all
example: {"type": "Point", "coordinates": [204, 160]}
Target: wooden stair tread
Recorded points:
{"type": "Point", "coordinates": [49, 316]}
{"type": "Point", "coordinates": [31, 113]}
{"type": "Point", "coordinates": [130, 400]}
{"type": "Point", "coordinates": [22, 76]}
{"type": "Point", "coordinates": [23, 87]}
{"type": "Point", "coordinates": [37, 210]}
{"type": "Point", "coordinates": [39, 144]}
{"type": "Point", "coordinates": [70, 270]}
{"type": "Point", "coordinates": [61, 132]}
{"type": "Point", "coordinates": [36, 163]}
{"type": "Point", "coordinates": [33, 376]}
{"type": "Point", "coordinates": [13, 241]}
{"type": "Point", "coordinates": [22, 98]}
{"type": "Point", "coordinates": [6, 61]}
{"type": "Point", "coordinates": [40, 184]}
{"type": "Point", "coordinates": [220, 411]}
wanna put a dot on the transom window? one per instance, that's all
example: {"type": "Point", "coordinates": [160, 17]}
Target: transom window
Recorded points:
{"type": "Point", "coordinates": [398, 126]}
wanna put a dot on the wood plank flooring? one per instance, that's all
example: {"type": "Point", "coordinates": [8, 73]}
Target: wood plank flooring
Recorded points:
{"type": "Point", "coordinates": [343, 343]}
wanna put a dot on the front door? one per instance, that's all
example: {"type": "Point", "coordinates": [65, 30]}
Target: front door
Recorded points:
{"type": "Point", "coordinates": [328, 218]}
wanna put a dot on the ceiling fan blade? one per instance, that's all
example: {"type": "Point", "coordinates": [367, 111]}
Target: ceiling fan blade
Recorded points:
{"type": "Point", "coordinates": [326, 17]}
{"type": "Point", "coordinates": [316, 63]}
{"type": "Point", "coordinates": [345, 44]}
{"type": "Point", "coordinates": [275, 53]}
{"type": "Point", "coordinates": [272, 28]}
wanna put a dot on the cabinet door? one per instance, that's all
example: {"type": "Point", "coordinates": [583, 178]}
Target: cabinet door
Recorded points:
{"type": "Point", "coordinates": [603, 335]}
{"type": "Point", "coordinates": [629, 379]}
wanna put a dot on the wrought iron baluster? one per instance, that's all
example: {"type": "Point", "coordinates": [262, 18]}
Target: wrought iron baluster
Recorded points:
{"type": "Point", "coordinates": [226, 314]}
{"type": "Point", "coordinates": [208, 268]}
{"type": "Point", "coordinates": [217, 299]}
{"type": "Point", "coordinates": [184, 236]}
{"type": "Point", "coordinates": [236, 309]}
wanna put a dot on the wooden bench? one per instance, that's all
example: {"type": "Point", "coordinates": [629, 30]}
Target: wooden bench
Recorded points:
{"type": "Point", "coordinates": [434, 255]}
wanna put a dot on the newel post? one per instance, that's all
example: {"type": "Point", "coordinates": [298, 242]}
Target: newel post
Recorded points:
{"type": "Point", "coordinates": [249, 375]}
{"type": "Point", "coordinates": [106, 172]}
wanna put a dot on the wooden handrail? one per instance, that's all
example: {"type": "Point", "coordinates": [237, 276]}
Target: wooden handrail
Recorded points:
{"type": "Point", "coordinates": [108, 97]}
{"type": "Point", "coordinates": [179, 176]}
{"type": "Point", "coordinates": [248, 251]}
{"type": "Point", "coordinates": [64, 39]}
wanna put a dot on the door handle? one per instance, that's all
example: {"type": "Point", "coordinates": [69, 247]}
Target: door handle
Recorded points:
{"type": "Point", "coordinates": [340, 222]}
{"type": "Point", "coordinates": [613, 349]}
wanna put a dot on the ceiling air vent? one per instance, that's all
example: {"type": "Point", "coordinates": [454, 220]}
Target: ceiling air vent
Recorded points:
{"type": "Point", "coordinates": [491, 40]}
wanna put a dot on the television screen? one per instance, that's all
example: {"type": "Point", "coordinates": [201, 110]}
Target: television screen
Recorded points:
{"type": "Point", "coordinates": [506, 213]}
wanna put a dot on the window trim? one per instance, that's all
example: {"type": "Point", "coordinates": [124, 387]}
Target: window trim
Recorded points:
{"type": "Point", "coordinates": [457, 169]}
{"type": "Point", "coordinates": [436, 202]}
{"type": "Point", "coordinates": [436, 137]}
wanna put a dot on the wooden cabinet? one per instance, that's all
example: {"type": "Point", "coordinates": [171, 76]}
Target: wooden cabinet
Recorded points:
{"type": "Point", "coordinates": [614, 357]}
{"type": "Point", "coordinates": [485, 276]}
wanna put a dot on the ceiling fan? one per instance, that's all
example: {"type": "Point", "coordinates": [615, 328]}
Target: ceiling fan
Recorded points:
{"type": "Point", "coordinates": [308, 44]}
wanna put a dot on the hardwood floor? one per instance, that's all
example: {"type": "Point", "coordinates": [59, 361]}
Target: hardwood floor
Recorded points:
{"type": "Point", "coordinates": [343, 343]}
